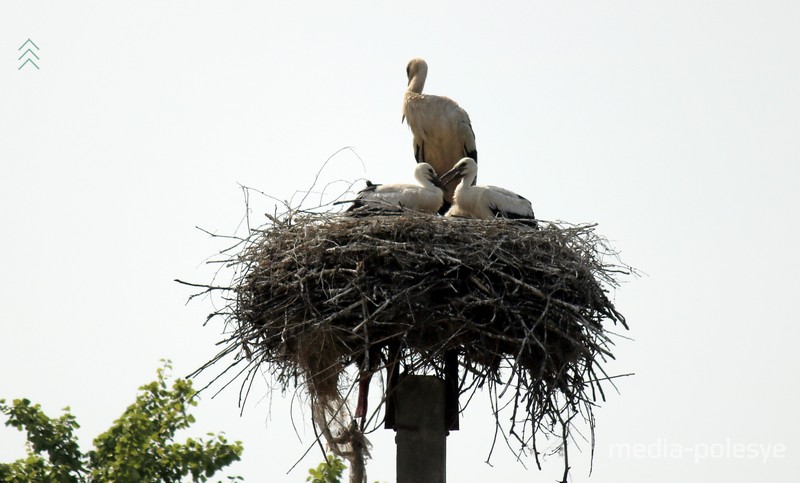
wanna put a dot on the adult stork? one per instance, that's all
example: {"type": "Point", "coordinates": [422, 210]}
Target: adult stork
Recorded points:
{"type": "Point", "coordinates": [483, 202]}
{"type": "Point", "coordinates": [441, 128]}
{"type": "Point", "coordinates": [427, 196]}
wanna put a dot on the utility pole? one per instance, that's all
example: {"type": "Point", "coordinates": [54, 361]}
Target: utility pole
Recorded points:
{"type": "Point", "coordinates": [419, 411]}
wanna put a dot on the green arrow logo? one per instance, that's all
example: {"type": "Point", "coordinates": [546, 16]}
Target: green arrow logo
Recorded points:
{"type": "Point", "coordinates": [28, 54]}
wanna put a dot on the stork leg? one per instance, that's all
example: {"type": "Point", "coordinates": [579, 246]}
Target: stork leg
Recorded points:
{"type": "Point", "coordinates": [370, 360]}
{"type": "Point", "coordinates": [364, 377]}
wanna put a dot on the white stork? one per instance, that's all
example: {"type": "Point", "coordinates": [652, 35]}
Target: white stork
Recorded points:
{"type": "Point", "coordinates": [426, 197]}
{"type": "Point", "coordinates": [483, 202]}
{"type": "Point", "coordinates": [442, 130]}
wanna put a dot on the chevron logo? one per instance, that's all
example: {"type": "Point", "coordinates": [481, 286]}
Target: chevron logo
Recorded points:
{"type": "Point", "coordinates": [28, 54]}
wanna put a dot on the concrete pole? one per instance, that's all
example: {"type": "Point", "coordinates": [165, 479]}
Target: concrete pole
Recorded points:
{"type": "Point", "coordinates": [419, 403]}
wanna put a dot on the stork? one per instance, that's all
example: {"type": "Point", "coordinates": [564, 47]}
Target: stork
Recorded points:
{"type": "Point", "coordinates": [483, 202]}
{"type": "Point", "coordinates": [427, 196]}
{"type": "Point", "coordinates": [442, 130]}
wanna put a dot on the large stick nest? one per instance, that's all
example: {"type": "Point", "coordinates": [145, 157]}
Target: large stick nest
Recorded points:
{"type": "Point", "coordinates": [526, 308]}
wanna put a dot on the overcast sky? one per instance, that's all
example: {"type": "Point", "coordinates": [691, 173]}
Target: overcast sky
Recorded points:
{"type": "Point", "coordinates": [673, 125]}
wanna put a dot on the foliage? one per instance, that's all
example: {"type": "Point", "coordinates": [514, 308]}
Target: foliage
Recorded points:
{"type": "Point", "coordinates": [139, 446]}
{"type": "Point", "coordinates": [329, 471]}
{"type": "Point", "coordinates": [51, 437]}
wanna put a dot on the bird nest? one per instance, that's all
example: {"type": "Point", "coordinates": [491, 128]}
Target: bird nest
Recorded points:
{"type": "Point", "coordinates": [526, 309]}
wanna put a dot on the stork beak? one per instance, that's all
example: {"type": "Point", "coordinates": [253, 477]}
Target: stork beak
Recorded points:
{"type": "Point", "coordinates": [450, 175]}
{"type": "Point", "coordinates": [437, 182]}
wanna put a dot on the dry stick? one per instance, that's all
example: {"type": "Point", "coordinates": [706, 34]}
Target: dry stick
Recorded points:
{"type": "Point", "coordinates": [243, 400]}
{"type": "Point", "coordinates": [505, 437]}
{"type": "Point", "coordinates": [316, 442]}
{"type": "Point", "coordinates": [496, 428]}
{"type": "Point", "coordinates": [590, 417]}
{"type": "Point", "coordinates": [231, 366]}
{"type": "Point", "coordinates": [564, 439]}
{"type": "Point", "coordinates": [208, 289]}
{"type": "Point", "coordinates": [528, 335]}
{"type": "Point", "coordinates": [386, 304]}
{"type": "Point", "coordinates": [232, 379]}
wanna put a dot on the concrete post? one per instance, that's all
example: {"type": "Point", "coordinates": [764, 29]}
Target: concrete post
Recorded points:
{"type": "Point", "coordinates": [421, 434]}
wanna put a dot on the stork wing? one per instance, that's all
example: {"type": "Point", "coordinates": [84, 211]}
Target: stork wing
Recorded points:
{"type": "Point", "coordinates": [388, 196]}
{"type": "Point", "coordinates": [507, 204]}
{"type": "Point", "coordinates": [370, 187]}
{"type": "Point", "coordinates": [360, 200]}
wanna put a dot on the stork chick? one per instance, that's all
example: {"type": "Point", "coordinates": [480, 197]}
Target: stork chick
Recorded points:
{"type": "Point", "coordinates": [483, 202]}
{"type": "Point", "coordinates": [426, 197]}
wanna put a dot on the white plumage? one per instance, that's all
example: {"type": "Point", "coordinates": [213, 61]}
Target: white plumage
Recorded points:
{"type": "Point", "coordinates": [442, 130]}
{"type": "Point", "coordinates": [484, 202]}
{"type": "Point", "coordinates": [427, 196]}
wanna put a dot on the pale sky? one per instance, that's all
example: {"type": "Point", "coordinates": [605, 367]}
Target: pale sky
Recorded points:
{"type": "Point", "coordinates": [673, 125]}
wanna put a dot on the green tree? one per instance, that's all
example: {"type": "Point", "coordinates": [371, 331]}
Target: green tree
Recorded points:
{"type": "Point", "coordinates": [53, 453]}
{"type": "Point", "coordinates": [328, 471]}
{"type": "Point", "coordinates": [139, 447]}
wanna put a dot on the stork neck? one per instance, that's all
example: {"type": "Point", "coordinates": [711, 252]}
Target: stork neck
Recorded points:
{"type": "Point", "coordinates": [417, 83]}
{"type": "Point", "coordinates": [466, 181]}
{"type": "Point", "coordinates": [424, 181]}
